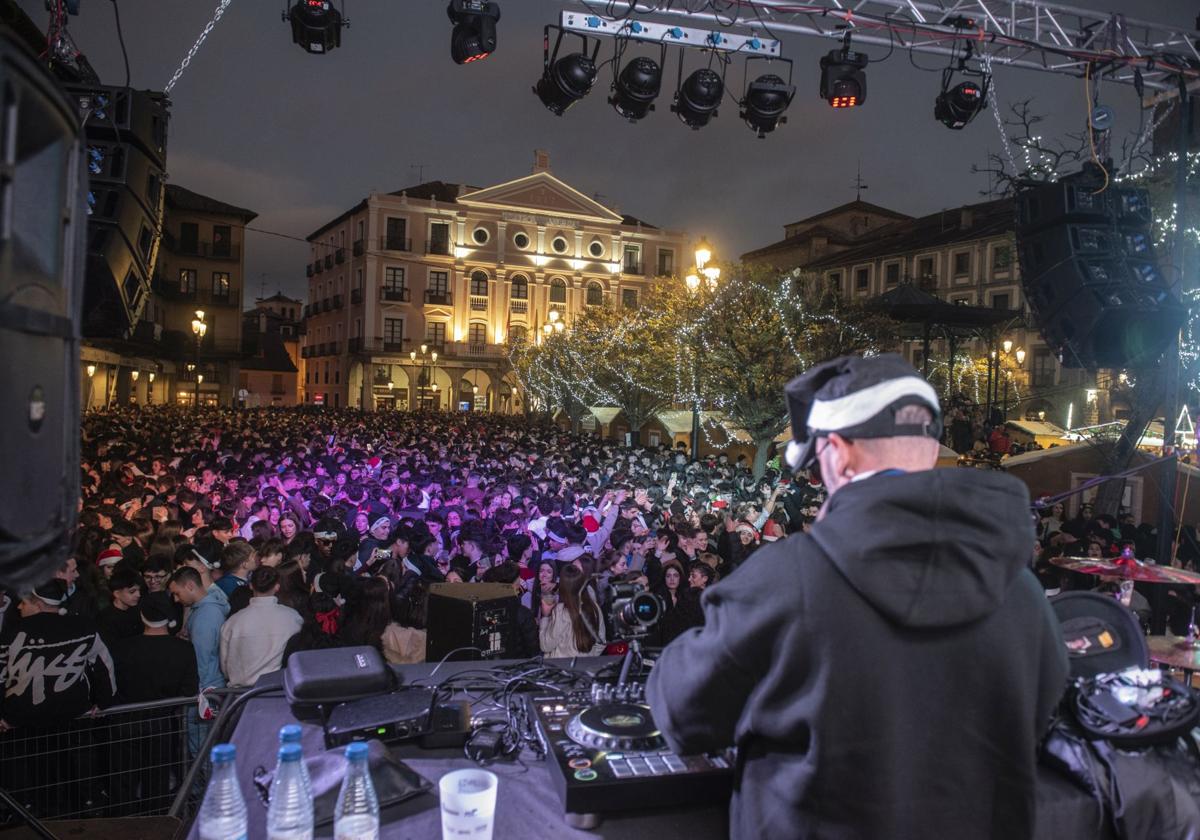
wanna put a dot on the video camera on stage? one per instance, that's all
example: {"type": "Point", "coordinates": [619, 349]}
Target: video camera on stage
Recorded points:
{"type": "Point", "coordinates": [634, 610]}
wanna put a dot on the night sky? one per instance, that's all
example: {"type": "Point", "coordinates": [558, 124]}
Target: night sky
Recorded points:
{"type": "Point", "coordinates": [300, 138]}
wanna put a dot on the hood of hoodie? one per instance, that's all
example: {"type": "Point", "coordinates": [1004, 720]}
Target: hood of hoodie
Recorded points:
{"type": "Point", "coordinates": [216, 599]}
{"type": "Point", "coordinates": [930, 549]}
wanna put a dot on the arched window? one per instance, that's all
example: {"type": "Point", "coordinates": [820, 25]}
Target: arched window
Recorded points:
{"type": "Point", "coordinates": [520, 288]}
{"type": "Point", "coordinates": [517, 333]}
{"type": "Point", "coordinates": [477, 335]}
{"type": "Point", "coordinates": [479, 283]}
{"type": "Point", "coordinates": [595, 294]}
{"type": "Point", "coordinates": [558, 290]}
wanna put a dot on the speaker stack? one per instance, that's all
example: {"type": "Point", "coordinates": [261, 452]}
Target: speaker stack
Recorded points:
{"type": "Point", "coordinates": [42, 225]}
{"type": "Point", "coordinates": [126, 158]}
{"type": "Point", "coordinates": [1090, 274]}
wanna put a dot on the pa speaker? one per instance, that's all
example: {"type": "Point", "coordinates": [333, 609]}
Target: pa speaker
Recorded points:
{"type": "Point", "coordinates": [470, 621]}
{"type": "Point", "coordinates": [1090, 273]}
{"type": "Point", "coordinates": [126, 205]}
{"type": "Point", "coordinates": [124, 115]}
{"type": "Point", "coordinates": [42, 225]}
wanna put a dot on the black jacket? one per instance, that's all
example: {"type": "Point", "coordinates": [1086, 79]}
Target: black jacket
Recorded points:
{"type": "Point", "coordinates": [154, 668]}
{"type": "Point", "coordinates": [53, 668]}
{"type": "Point", "coordinates": [887, 676]}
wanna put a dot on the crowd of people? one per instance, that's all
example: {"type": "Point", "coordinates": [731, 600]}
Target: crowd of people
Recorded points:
{"type": "Point", "coordinates": [213, 545]}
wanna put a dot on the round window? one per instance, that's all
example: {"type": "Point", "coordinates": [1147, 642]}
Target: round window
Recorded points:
{"type": "Point", "coordinates": [596, 249]}
{"type": "Point", "coordinates": [480, 236]}
{"type": "Point", "coordinates": [559, 245]}
{"type": "Point", "coordinates": [521, 240]}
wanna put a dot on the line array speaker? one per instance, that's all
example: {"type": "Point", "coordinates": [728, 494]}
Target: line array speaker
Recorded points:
{"type": "Point", "coordinates": [126, 158]}
{"type": "Point", "coordinates": [1090, 274]}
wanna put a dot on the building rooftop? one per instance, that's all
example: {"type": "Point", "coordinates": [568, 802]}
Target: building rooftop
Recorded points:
{"type": "Point", "coordinates": [184, 199]}
{"type": "Point", "coordinates": [265, 351]}
{"type": "Point", "coordinates": [834, 236]}
{"type": "Point", "coordinates": [856, 206]}
{"type": "Point", "coordinates": [278, 297]}
{"type": "Point", "coordinates": [444, 193]}
{"type": "Point", "coordinates": [937, 230]}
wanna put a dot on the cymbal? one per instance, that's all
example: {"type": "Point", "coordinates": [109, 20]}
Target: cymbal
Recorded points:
{"type": "Point", "coordinates": [1127, 570]}
{"type": "Point", "coordinates": [1174, 651]}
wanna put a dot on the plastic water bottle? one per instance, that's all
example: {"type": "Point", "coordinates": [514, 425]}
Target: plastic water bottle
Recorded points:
{"type": "Point", "coordinates": [290, 734]}
{"type": "Point", "coordinates": [356, 815]}
{"type": "Point", "coordinates": [223, 812]}
{"type": "Point", "coordinates": [290, 814]}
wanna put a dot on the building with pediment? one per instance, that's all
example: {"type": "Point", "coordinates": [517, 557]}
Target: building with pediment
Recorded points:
{"type": "Point", "coordinates": [414, 295]}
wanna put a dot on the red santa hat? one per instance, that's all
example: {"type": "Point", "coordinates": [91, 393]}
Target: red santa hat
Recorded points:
{"type": "Point", "coordinates": [110, 557]}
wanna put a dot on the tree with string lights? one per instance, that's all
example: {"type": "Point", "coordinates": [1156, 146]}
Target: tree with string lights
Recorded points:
{"type": "Point", "coordinates": [763, 328]}
{"type": "Point", "coordinates": [627, 354]}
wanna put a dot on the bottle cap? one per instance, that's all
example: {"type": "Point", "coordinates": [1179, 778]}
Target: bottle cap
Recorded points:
{"type": "Point", "coordinates": [357, 750]}
{"type": "Point", "coordinates": [223, 753]}
{"type": "Point", "coordinates": [290, 734]}
{"type": "Point", "coordinates": [290, 752]}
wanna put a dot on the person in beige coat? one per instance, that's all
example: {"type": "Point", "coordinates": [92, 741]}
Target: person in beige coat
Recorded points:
{"type": "Point", "coordinates": [575, 627]}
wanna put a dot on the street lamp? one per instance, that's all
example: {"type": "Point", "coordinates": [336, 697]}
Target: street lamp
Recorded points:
{"type": "Point", "coordinates": [199, 328]}
{"type": "Point", "coordinates": [711, 274]}
{"type": "Point", "coordinates": [1020, 357]}
{"type": "Point", "coordinates": [422, 361]}
{"type": "Point", "coordinates": [91, 372]}
{"type": "Point", "coordinates": [150, 388]}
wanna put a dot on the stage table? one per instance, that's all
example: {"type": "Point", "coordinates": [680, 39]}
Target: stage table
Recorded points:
{"type": "Point", "coordinates": [527, 806]}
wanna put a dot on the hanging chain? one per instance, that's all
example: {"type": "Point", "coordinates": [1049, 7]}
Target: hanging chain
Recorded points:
{"type": "Point", "coordinates": [995, 103]}
{"type": "Point", "coordinates": [221, 7]}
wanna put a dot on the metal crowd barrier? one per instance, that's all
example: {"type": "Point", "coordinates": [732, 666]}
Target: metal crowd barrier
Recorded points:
{"type": "Point", "coordinates": [125, 761]}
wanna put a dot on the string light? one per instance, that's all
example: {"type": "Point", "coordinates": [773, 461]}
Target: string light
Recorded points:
{"type": "Point", "coordinates": [592, 365]}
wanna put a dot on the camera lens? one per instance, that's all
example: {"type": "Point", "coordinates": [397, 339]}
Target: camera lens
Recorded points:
{"type": "Point", "coordinates": [645, 608]}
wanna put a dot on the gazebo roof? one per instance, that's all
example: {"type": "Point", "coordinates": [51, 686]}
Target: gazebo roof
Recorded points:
{"type": "Point", "coordinates": [918, 310]}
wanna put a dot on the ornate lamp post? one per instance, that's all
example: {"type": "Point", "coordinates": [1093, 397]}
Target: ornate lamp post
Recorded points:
{"type": "Point", "coordinates": [199, 328]}
{"type": "Point", "coordinates": [712, 275]}
{"type": "Point", "coordinates": [426, 363]}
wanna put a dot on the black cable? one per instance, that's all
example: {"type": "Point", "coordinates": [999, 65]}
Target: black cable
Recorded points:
{"type": "Point", "coordinates": [891, 41]}
{"type": "Point", "coordinates": [121, 40]}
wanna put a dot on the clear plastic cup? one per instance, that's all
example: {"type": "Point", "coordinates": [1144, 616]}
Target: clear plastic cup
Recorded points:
{"type": "Point", "coordinates": [468, 801]}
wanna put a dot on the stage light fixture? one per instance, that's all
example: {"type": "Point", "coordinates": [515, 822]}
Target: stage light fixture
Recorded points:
{"type": "Point", "coordinates": [843, 82]}
{"type": "Point", "coordinates": [636, 87]}
{"type": "Point", "coordinates": [474, 35]}
{"type": "Point", "coordinates": [765, 99]}
{"type": "Point", "coordinates": [697, 99]}
{"type": "Point", "coordinates": [568, 79]}
{"type": "Point", "coordinates": [316, 25]}
{"type": "Point", "coordinates": [957, 106]}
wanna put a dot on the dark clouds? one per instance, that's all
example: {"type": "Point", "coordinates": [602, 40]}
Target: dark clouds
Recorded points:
{"type": "Point", "coordinates": [299, 138]}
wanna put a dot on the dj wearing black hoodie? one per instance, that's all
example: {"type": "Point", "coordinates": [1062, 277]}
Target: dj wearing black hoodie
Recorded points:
{"type": "Point", "coordinates": [889, 674]}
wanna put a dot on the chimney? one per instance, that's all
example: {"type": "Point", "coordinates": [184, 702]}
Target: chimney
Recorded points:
{"type": "Point", "coordinates": [541, 161]}
{"type": "Point", "coordinates": [966, 218]}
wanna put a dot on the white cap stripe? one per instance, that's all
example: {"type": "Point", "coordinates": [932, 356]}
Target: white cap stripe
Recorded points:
{"type": "Point", "coordinates": [859, 407]}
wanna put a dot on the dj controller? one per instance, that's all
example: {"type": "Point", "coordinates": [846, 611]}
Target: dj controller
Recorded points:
{"type": "Point", "coordinates": [606, 754]}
